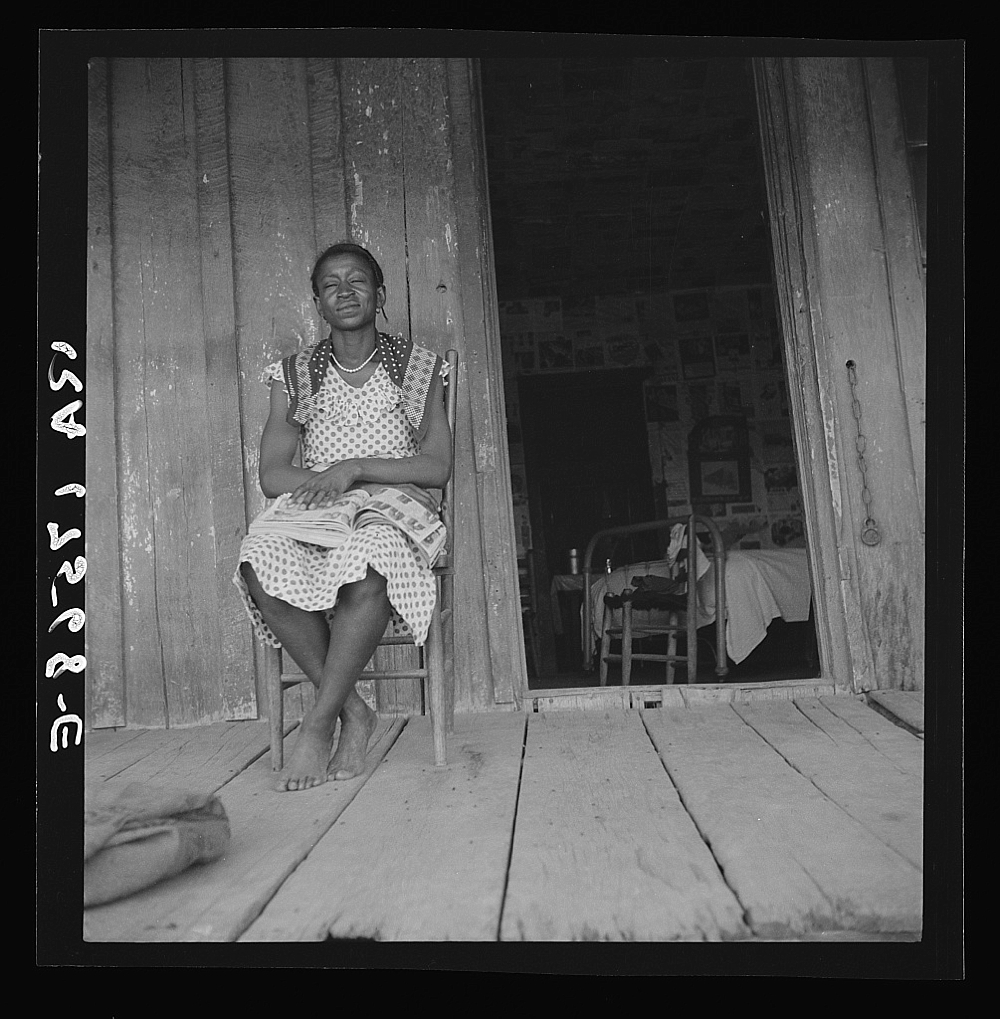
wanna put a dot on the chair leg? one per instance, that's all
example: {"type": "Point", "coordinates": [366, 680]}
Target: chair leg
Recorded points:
{"type": "Point", "coordinates": [276, 706]}
{"type": "Point", "coordinates": [692, 648]}
{"type": "Point", "coordinates": [626, 642]}
{"type": "Point", "coordinates": [605, 645]}
{"type": "Point", "coordinates": [448, 642]}
{"type": "Point", "coordinates": [671, 648]}
{"type": "Point", "coordinates": [435, 683]}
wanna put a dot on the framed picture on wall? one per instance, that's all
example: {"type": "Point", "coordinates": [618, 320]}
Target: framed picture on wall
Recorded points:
{"type": "Point", "coordinates": [720, 479]}
{"type": "Point", "coordinates": [719, 460]}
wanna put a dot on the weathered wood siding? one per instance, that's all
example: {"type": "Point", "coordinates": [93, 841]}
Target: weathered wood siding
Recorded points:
{"type": "Point", "coordinates": [847, 261]}
{"type": "Point", "coordinates": [213, 185]}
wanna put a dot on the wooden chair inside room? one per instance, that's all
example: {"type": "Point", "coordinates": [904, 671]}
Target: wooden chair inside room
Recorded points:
{"type": "Point", "coordinates": [437, 658]}
{"type": "Point", "coordinates": [681, 606]}
{"type": "Point", "coordinates": [680, 603]}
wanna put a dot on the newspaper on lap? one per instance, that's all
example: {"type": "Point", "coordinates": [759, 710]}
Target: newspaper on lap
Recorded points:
{"type": "Point", "coordinates": [332, 525]}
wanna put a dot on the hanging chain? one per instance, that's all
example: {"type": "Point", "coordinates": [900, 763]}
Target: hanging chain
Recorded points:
{"type": "Point", "coordinates": [869, 531]}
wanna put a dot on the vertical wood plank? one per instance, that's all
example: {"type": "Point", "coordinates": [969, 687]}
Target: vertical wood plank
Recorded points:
{"type": "Point", "coordinates": [105, 677]}
{"type": "Point", "coordinates": [326, 151]}
{"type": "Point", "coordinates": [274, 245]}
{"type": "Point", "coordinates": [844, 650]}
{"type": "Point", "coordinates": [853, 275]}
{"type": "Point", "coordinates": [484, 375]}
{"type": "Point", "coordinates": [437, 321]}
{"type": "Point", "coordinates": [273, 236]}
{"type": "Point", "coordinates": [164, 343]}
{"type": "Point", "coordinates": [373, 172]}
{"type": "Point", "coordinates": [372, 141]}
{"type": "Point", "coordinates": [902, 248]}
{"type": "Point", "coordinates": [136, 110]}
{"type": "Point", "coordinates": [236, 653]}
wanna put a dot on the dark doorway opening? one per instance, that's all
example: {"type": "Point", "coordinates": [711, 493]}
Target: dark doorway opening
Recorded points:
{"type": "Point", "coordinates": [587, 468]}
{"type": "Point", "coordinates": [635, 282]}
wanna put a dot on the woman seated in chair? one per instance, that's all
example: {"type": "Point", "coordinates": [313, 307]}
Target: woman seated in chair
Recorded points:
{"type": "Point", "coordinates": [368, 410]}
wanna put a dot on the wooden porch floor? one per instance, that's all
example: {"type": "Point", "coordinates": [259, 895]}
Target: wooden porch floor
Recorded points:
{"type": "Point", "coordinates": [769, 820]}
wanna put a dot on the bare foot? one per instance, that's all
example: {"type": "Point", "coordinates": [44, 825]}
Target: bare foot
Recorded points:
{"type": "Point", "coordinates": [356, 728]}
{"type": "Point", "coordinates": [309, 759]}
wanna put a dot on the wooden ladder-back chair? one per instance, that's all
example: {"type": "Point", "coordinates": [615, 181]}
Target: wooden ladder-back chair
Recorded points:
{"type": "Point", "coordinates": [677, 605]}
{"type": "Point", "coordinates": [437, 668]}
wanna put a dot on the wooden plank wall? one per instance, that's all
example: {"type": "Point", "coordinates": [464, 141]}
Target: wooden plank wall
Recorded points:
{"type": "Point", "coordinates": [213, 184]}
{"type": "Point", "coordinates": [845, 229]}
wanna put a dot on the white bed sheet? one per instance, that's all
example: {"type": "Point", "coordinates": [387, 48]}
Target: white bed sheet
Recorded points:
{"type": "Point", "coordinates": [761, 584]}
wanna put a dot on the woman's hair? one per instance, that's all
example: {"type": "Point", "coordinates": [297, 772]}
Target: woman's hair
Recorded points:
{"type": "Point", "coordinates": [348, 248]}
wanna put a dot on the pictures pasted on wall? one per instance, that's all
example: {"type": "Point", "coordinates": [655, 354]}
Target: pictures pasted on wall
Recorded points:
{"type": "Point", "coordinates": [624, 350]}
{"type": "Point", "coordinates": [731, 399]}
{"type": "Point", "coordinates": [788, 532]}
{"type": "Point", "coordinates": [700, 401]}
{"type": "Point", "coordinates": [777, 445]}
{"type": "Point", "coordinates": [732, 353]}
{"type": "Point", "coordinates": [771, 399]}
{"type": "Point", "coordinates": [765, 352]}
{"type": "Point", "coordinates": [708, 352]}
{"type": "Point", "coordinates": [554, 351]}
{"type": "Point", "coordinates": [588, 352]}
{"type": "Point", "coordinates": [518, 484]}
{"type": "Point", "coordinates": [522, 521]}
{"type": "Point", "coordinates": [780, 477]}
{"type": "Point", "coordinates": [662, 403]}
{"type": "Point", "coordinates": [522, 529]}
{"type": "Point", "coordinates": [522, 346]}
{"type": "Point", "coordinates": [547, 315]}
{"type": "Point", "coordinates": [697, 357]}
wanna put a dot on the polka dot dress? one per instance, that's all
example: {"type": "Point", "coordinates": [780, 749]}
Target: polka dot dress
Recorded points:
{"type": "Point", "coordinates": [350, 421]}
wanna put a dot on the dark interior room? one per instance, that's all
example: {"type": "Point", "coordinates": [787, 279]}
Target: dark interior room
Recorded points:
{"type": "Point", "coordinates": [638, 316]}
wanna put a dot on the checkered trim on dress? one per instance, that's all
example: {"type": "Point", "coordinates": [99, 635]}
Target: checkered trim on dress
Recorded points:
{"type": "Point", "coordinates": [419, 375]}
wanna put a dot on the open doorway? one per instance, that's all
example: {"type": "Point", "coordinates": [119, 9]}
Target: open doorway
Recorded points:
{"type": "Point", "coordinates": [637, 310]}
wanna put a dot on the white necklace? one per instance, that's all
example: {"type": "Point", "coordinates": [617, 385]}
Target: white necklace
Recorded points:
{"type": "Point", "coordinates": [351, 371]}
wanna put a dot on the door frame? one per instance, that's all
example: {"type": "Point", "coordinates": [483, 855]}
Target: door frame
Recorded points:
{"type": "Point", "coordinates": [843, 649]}
{"type": "Point", "coordinates": [812, 368]}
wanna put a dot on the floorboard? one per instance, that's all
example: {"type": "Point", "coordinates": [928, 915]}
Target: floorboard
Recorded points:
{"type": "Point", "coordinates": [840, 762]}
{"type": "Point", "coordinates": [104, 741]}
{"type": "Point", "coordinates": [906, 707]}
{"type": "Point", "coordinates": [421, 854]}
{"type": "Point", "coordinates": [271, 834]}
{"type": "Point", "coordinates": [603, 849]}
{"type": "Point", "coordinates": [767, 820]}
{"type": "Point", "coordinates": [199, 758]}
{"type": "Point", "coordinates": [796, 860]}
{"type": "Point", "coordinates": [888, 738]}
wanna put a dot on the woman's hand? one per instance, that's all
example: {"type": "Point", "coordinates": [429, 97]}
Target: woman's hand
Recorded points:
{"type": "Point", "coordinates": [324, 487]}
